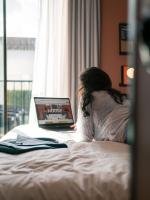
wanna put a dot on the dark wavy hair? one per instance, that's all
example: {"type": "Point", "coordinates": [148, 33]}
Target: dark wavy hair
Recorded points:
{"type": "Point", "coordinates": [95, 79]}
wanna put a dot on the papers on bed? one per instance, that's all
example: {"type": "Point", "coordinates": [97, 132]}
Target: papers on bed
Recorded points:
{"type": "Point", "coordinates": [25, 144]}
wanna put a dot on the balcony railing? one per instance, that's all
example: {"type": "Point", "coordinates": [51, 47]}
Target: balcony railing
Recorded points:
{"type": "Point", "coordinates": [18, 102]}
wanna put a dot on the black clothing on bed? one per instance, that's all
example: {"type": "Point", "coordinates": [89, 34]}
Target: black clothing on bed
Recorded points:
{"type": "Point", "coordinates": [24, 144]}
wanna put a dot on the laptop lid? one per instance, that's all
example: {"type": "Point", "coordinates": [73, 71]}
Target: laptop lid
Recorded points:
{"type": "Point", "coordinates": [53, 112]}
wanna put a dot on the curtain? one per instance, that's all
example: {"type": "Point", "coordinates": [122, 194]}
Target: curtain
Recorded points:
{"type": "Point", "coordinates": [50, 72]}
{"type": "Point", "coordinates": [68, 43]}
{"type": "Point", "coordinates": [84, 41]}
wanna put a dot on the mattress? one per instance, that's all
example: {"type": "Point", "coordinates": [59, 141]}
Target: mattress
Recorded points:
{"type": "Point", "coordinates": [98, 170]}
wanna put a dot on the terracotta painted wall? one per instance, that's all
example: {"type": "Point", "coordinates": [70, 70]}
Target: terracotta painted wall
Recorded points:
{"type": "Point", "coordinates": [112, 13]}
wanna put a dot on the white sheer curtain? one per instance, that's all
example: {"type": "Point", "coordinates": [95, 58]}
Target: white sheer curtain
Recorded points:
{"type": "Point", "coordinates": [50, 72]}
{"type": "Point", "coordinates": [68, 42]}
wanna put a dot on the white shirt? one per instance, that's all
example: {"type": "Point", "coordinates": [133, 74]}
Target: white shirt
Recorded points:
{"type": "Point", "coordinates": [107, 120]}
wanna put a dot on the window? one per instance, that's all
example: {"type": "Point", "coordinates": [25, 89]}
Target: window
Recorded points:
{"type": "Point", "coordinates": [1, 70]}
{"type": "Point", "coordinates": [22, 24]}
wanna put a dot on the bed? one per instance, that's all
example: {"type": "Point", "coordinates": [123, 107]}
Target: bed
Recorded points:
{"type": "Point", "coordinates": [84, 171]}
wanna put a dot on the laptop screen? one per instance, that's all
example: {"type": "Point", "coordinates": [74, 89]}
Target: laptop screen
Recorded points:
{"type": "Point", "coordinates": [52, 111]}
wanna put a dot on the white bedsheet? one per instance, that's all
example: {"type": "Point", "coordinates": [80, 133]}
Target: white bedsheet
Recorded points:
{"type": "Point", "coordinates": [34, 131]}
{"type": "Point", "coordinates": [83, 171]}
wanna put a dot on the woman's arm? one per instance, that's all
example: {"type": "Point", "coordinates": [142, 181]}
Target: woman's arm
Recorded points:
{"type": "Point", "coordinates": [84, 126]}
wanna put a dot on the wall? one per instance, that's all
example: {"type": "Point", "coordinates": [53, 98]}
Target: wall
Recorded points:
{"type": "Point", "coordinates": [112, 13]}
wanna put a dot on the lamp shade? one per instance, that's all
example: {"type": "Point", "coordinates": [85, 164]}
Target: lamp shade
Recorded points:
{"type": "Point", "coordinates": [127, 73]}
{"type": "Point", "coordinates": [130, 72]}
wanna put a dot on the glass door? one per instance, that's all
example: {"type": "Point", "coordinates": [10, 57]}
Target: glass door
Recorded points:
{"type": "Point", "coordinates": [2, 69]}
{"type": "Point", "coordinates": [22, 30]}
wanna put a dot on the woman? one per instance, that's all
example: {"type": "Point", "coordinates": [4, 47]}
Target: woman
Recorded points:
{"type": "Point", "coordinates": [103, 111]}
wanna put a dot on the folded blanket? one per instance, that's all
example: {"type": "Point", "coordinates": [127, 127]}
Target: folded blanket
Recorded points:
{"type": "Point", "coordinates": [24, 144]}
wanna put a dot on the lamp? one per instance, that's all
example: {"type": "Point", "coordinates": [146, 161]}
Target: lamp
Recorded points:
{"type": "Point", "coordinates": [127, 73]}
{"type": "Point", "coordinates": [130, 72]}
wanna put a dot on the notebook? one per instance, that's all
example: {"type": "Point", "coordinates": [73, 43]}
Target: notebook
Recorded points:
{"type": "Point", "coordinates": [54, 113]}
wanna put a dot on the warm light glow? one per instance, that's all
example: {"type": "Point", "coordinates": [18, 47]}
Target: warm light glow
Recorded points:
{"type": "Point", "coordinates": [130, 72]}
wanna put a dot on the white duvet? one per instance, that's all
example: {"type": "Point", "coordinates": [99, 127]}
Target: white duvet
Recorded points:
{"type": "Point", "coordinates": [83, 171]}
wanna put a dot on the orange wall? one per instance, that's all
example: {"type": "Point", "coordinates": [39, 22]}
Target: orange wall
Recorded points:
{"type": "Point", "coordinates": [112, 13]}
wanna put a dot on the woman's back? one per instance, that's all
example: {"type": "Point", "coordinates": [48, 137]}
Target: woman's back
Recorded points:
{"type": "Point", "coordinates": [109, 117]}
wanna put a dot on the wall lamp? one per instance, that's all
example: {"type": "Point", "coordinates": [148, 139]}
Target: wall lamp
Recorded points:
{"type": "Point", "coordinates": [127, 73]}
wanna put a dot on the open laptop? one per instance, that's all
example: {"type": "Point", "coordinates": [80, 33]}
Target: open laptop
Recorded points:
{"type": "Point", "coordinates": [54, 113]}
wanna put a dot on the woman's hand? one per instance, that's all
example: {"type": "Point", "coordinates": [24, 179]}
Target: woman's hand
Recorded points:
{"type": "Point", "coordinates": [74, 126]}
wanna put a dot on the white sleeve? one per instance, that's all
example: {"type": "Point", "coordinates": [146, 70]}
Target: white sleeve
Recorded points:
{"type": "Point", "coordinates": [84, 126]}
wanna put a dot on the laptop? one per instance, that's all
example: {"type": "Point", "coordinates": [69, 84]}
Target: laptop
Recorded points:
{"type": "Point", "coordinates": [54, 113]}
